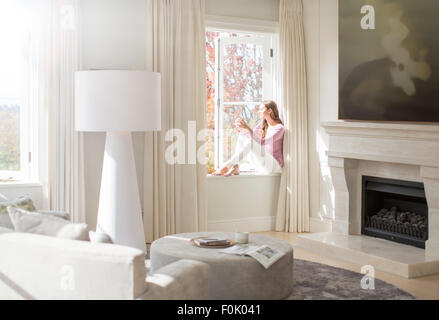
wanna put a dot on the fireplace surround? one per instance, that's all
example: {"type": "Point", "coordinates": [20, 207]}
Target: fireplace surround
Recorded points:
{"type": "Point", "coordinates": [399, 152]}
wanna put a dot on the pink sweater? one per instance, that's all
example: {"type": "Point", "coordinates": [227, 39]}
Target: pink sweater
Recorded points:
{"type": "Point", "coordinates": [273, 141]}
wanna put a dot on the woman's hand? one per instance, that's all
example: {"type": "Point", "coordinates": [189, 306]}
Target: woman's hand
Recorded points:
{"type": "Point", "coordinates": [240, 124]}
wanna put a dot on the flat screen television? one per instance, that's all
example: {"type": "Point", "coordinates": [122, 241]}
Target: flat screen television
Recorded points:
{"type": "Point", "coordinates": [389, 60]}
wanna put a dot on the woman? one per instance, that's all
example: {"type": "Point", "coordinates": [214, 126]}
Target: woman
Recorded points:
{"type": "Point", "coordinates": [262, 146]}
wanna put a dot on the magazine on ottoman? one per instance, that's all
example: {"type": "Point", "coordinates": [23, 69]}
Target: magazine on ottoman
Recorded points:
{"type": "Point", "coordinates": [264, 254]}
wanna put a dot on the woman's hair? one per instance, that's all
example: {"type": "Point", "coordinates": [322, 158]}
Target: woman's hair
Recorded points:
{"type": "Point", "coordinates": [274, 115]}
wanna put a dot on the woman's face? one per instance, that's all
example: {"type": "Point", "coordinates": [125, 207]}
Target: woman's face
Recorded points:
{"type": "Point", "coordinates": [263, 112]}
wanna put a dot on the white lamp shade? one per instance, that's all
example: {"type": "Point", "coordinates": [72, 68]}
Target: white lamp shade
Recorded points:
{"type": "Point", "coordinates": [117, 101]}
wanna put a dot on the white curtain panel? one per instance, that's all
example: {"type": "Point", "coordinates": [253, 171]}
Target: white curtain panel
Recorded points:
{"type": "Point", "coordinates": [293, 205]}
{"type": "Point", "coordinates": [53, 61]}
{"type": "Point", "coordinates": [66, 145]}
{"type": "Point", "coordinates": [175, 196]}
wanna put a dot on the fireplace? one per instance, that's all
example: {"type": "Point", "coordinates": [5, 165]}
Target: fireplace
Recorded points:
{"type": "Point", "coordinates": [358, 152]}
{"type": "Point", "coordinates": [394, 210]}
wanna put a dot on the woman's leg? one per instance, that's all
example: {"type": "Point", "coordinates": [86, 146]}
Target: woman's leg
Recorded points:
{"type": "Point", "coordinates": [255, 153]}
{"type": "Point", "coordinates": [263, 161]}
{"type": "Point", "coordinates": [243, 146]}
{"type": "Point", "coordinates": [241, 151]}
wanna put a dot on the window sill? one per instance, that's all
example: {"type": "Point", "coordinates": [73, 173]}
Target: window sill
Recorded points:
{"type": "Point", "coordinates": [245, 176]}
{"type": "Point", "coordinates": [19, 184]}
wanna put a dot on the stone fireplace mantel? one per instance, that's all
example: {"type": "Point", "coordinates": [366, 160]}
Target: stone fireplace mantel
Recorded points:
{"type": "Point", "coordinates": [388, 150]}
{"type": "Point", "coordinates": [386, 142]}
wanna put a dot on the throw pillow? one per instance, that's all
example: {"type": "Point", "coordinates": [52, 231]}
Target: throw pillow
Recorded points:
{"type": "Point", "coordinates": [58, 214]}
{"type": "Point", "coordinates": [48, 225]}
{"type": "Point", "coordinates": [74, 231]}
{"type": "Point", "coordinates": [24, 202]}
{"type": "Point", "coordinates": [100, 237]}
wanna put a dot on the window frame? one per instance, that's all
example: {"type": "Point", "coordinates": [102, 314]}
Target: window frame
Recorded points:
{"type": "Point", "coordinates": [262, 33]}
{"type": "Point", "coordinates": [268, 76]}
{"type": "Point", "coordinates": [28, 126]}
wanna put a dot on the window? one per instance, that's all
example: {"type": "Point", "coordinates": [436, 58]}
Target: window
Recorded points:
{"type": "Point", "coordinates": [240, 75]}
{"type": "Point", "coordinates": [14, 131]}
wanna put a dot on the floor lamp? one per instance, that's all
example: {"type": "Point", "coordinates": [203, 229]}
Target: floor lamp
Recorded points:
{"type": "Point", "coordinates": [118, 103]}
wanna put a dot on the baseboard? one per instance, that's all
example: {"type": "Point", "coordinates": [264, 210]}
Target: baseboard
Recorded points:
{"type": "Point", "coordinates": [320, 225]}
{"type": "Point", "coordinates": [252, 224]}
{"type": "Point", "coordinates": [258, 224]}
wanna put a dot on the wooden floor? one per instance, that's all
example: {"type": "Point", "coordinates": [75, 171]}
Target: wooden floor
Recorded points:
{"type": "Point", "coordinates": [423, 288]}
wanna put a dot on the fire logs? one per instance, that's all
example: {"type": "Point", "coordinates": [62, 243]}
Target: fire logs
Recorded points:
{"type": "Point", "coordinates": [402, 222]}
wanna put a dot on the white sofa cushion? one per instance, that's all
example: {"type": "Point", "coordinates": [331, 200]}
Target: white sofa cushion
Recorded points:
{"type": "Point", "coordinates": [3, 198]}
{"type": "Point", "coordinates": [5, 230]}
{"type": "Point", "coordinates": [40, 267]}
{"type": "Point", "coordinates": [34, 222]}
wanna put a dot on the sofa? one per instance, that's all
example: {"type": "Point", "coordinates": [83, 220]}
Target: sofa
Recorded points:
{"type": "Point", "coordinates": [41, 267]}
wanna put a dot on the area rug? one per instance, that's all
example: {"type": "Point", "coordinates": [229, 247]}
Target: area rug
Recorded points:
{"type": "Point", "coordinates": [315, 281]}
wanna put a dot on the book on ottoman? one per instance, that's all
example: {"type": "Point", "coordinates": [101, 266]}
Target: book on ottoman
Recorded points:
{"type": "Point", "coordinates": [212, 241]}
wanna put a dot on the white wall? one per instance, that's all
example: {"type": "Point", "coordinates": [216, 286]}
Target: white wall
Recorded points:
{"type": "Point", "coordinates": [312, 44]}
{"type": "Point", "coordinates": [242, 203]}
{"type": "Point", "coordinates": [113, 37]}
{"type": "Point", "coordinates": [321, 36]}
{"type": "Point", "coordinates": [249, 9]}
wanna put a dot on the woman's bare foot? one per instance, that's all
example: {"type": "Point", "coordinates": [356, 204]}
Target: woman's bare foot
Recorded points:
{"type": "Point", "coordinates": [221, 171]}
{"type": "Point", "coordinates": [233, 171]}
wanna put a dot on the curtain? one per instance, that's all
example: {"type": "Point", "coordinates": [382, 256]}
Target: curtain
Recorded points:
{"type": "Point", "coordinates": [293, 204]}
{"type": "Point", "coordinates": [53, 61]}
{"type": "Point", "coordinates": [175, 198]}
{"type": "Point", "coordinates": [66, 154]}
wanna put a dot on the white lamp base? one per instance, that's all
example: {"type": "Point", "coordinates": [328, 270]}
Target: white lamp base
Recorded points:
{"type": "Point", "coordinates": [120, 214]}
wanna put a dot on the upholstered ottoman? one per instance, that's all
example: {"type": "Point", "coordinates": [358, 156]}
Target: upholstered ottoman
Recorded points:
{"type": "Point", "coordinates": [231, 277]}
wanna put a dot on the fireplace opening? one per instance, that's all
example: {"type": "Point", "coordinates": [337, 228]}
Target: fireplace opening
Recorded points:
{"type": "Point", "coordinates": [395, 210]}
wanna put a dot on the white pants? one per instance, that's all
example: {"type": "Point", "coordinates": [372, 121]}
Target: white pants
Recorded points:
{"type": "Point", "coordinates": [253, 152]}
